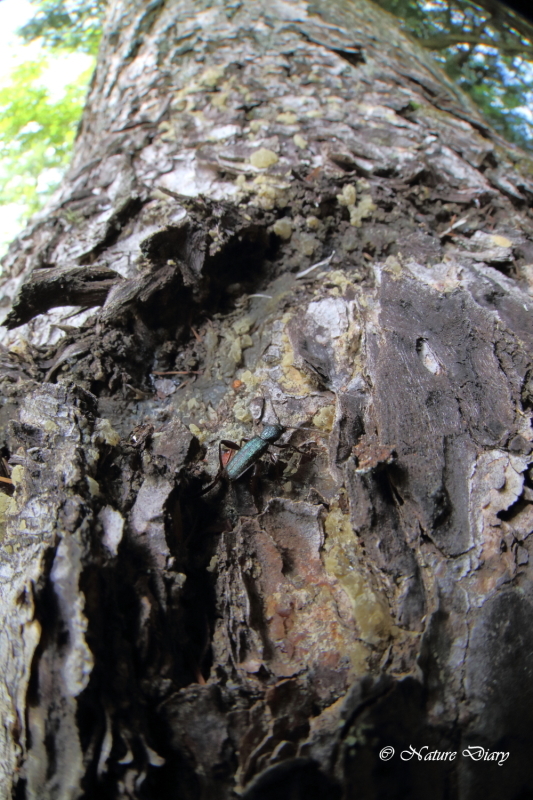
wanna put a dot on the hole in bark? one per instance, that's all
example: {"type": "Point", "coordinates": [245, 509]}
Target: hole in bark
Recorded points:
{"type": "Point", "coordinates": [489, 162]}
{"type": "Point", "coordinates": [390, 478]}
{"type": "Point", "coordinates": [427, 357]}
{"type": "Point", "coordinates": [396, 494]}
{"type": "Point", "coordinates": [382, 480]}
{"type": "Point", "coordinates": [426, 178]}
{"type": "Point", "coordinates": [287, 562]}
{"type": "Point", "coordinates": [238, 269]}
{"type": "Point", "coordinates": [168, 243]}
{"type": "Point", "coordinates": [353, 57]}
{"type": "Point", "coordinates": [177, 295]}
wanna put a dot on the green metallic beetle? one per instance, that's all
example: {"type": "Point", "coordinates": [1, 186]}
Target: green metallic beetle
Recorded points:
{"type": "Point", "coordinates": [247, 455]}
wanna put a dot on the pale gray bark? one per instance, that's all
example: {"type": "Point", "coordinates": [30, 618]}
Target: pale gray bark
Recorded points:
{"type": "Point", "coordinates": [269, 638]}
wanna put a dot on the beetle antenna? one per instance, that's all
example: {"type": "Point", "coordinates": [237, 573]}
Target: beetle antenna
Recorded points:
{"type": "Point", "coordinates": [299, 428]}
{"type": "Point", "coordinates": [282, 425]}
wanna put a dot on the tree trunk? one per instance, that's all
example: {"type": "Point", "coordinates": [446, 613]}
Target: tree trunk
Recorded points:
{"type": "Point", "coordinates": [281, 213]}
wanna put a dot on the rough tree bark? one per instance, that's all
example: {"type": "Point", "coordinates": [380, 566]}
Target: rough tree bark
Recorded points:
{"type": "Point", "coordinates": [274, 208]}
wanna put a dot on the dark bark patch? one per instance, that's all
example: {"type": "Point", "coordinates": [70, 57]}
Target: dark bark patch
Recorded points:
{"type": "Point", "coordinates": [295, 779]}
{"type": "Point", "coordinates": [499, 697]}
{"type": "Point", "coordinates": [50, 288]}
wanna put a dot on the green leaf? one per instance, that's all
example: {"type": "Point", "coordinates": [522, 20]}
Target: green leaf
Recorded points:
{"type": "Point", "coordinates": [36, 134]}
{"type": "Point", "coordinates": [68, 25]}
{"type": "Point", "coordinates": [486, 48]}
{"type": "Point", "coordinates": [36, 131]}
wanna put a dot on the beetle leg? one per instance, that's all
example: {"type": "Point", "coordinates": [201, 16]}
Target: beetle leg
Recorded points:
{"type": "Point", "coordinates": [254, 477]}
{"type": "Point", "coordinates": [231, 446]}
{"type": "Point", "coordinates": [273, 457]}
{"type": "Point", "coordinates": [222, 466]}
{"type": "Point", "coordinates": [213, 483]}
{"type": "Point", "coordinates": [291, 446]}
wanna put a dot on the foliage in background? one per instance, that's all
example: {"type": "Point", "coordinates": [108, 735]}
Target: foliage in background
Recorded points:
{"type": "Point", "coordinates": [486, 48]}
{"type": "Point", "coordinates": [36, 135]}
{"type": "Point", "coordinates": [37, 130]}
{"type": "Point", "coordinates": [62, 25]}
